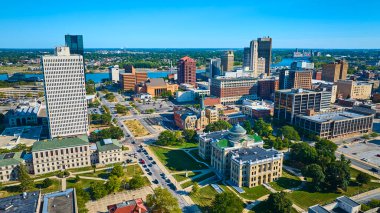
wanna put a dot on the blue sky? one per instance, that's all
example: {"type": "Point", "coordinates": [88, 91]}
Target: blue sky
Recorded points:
{"type": "Point", "coordinates": [195, 23]}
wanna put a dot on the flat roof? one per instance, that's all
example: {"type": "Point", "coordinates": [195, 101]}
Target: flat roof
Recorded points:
{"type": "Point", "coordinates": [318, 209]}
{"type": "Point", "coordinates": [60, 202]}
{"type": "Point", "coordinates": [27, 135]}
{"type": "Point", "coordinates": [254, 154]}
{"type": "Point", "coordinates": [22, 203]}
{"type": "Point", "coordinates": [57, 143]}
{"type": "Point", "coordinates": [107, 145]}
{"type": "Point", "coordinates": [12, 158]}
{"type": "Point", "coordinates": [334, 116]}
{"type": "Point", "coordinates": [348, 201]}
{"type": "Point", "coordinates": [157, 82]}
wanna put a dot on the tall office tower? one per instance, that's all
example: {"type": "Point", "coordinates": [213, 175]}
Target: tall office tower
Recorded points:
{"type": "Point", "coordinates": [265, 51]}
{"type": "Point", "coordinates": [114, 73]}
{"type": "Point", "coordinates": [335, 71]}
{"type": "Point", "coordinates": [65, 93]}
{"type": "Point", "coordinates": [260, 67]}
{"type": "Point", "coordinates": [186, 71]}
{"type": "Point", "coordinates": [291, 102]}
{"type": "Point", "coordinates": [246, 58]}
{"type": "Point", "coordinates": [75, 43]}
{"type": "Point", "coordinates": [295, 79]}
{"type": "Point", "coordinates": [213, 67]}
{"type": "Point", "coordinates": [253, 55]}
{"type": "Point", "coordinates": [228, 59]}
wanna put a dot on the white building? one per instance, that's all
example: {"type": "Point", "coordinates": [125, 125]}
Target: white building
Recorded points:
{"type": "Point", "coordinates": [65, 93]}
{"type": "Point", "coordinates": [114, 73]}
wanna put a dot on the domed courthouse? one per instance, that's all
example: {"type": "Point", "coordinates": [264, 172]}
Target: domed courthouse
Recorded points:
{"type": "Point", "coordinates": [240, 158]}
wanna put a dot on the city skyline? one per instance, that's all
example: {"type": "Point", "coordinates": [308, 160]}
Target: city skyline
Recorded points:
{"type": "Point", "coordinates": [168, 24]}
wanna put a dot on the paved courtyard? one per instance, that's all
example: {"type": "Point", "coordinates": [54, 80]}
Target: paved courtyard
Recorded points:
{"type": "Point", "coordinates": [368, 151]}
{"type": "Point", "coordinates": [101, 204]}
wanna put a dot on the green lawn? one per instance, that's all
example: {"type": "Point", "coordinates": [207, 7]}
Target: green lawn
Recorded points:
{"type": "Point", "coordinates": [254, 192]}
{"type": "Point", "coordinates": [261, 208]}
{"type": "Point", "coordinates": [84, 183]}
{"type": "Point", "coordinates": [204, 197]}
{"type": "Point", "coordinates": [176, 160]}
{"type": "Point", "coordinates": [198, 179]}
{"type": "Point", "coordinates": [194, 152]}
{"type": "Point", "coordinates": [14, 190]}
{"type": "Point", "coordinates": [185, 145]}
{"type": "Point", "coordinates": [306, 197]}
{"type": "Point", "coordinates": [287, 181]}
{"type": "Point", "coordinates": [355, 172]}
{"type": "Point", "coordinates": [182, 177]}
{"type": "Point", "coordinates": [129, 172]}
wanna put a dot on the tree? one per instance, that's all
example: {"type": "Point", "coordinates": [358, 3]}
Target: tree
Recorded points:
{"type": "Point", "coordinates": [338, 174]}
{"type": "Point", "coordinates": [279, 203]}
{"type": "Point", "coordinates": [82, 198]}
{"type": "Point", "coordinates": [170, 138]}
{"type": "Point", "coordinates": [315, 172]}
{"type": "Point", "coordinates": [290, 133]}
{"type": "Point", "coordinates": [26, 182]}
{"type": "Point", "coordinates": [227, 202]}
{"type": "Point", "coordinates": [190, 135]}
{"type": "Point", "coordinates": [326, 151]}
{"type": "Point", "coordinates": [262, 128]}
{"type": "Point", "coordinates": [98, 190]}
{"type": "Point", "coordinates": [195, 189]}
{"type": "Point", "coordinates": [363, 178]}
{"type": "Point", "coordinates": [303, 152]}
{"type": "Point", "coordinates": [136, 182]}
{"type": "Point", "coordinates": [46, 183]}
{"type": "Point", "coordinates": [77, 178]}
{"type": "Point", "coordinates": [121, 109]}
{"type": "Point", "coordinates": [218, 126]}
{"type": "Point", "coordinates": [113, 184]}
{"type": "Point", "coordinates": [162, 201]}
{"type": "Point", "coordinates": [247, 126]}
{"type": "Point", "coordinates": [28, 95]}
{"type": "Point", "coordinates": [117, 171]}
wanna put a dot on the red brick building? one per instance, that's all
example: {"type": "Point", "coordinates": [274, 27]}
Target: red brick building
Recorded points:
{"type": "Point", "coordinates": [211, 101]}
{"type": "Point", "coordinates": [267, 87]}
{"type": "Point", "coordinates": [317, 75]}
{"type": "Point", "coordinates": [233, 90]}
{"type": "Point", "coordinates": [187, 71]}
{"type": "Point", "coordinates": [130, 77]}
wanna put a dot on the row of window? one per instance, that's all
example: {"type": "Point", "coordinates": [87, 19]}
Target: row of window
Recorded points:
{"type": "Point", "coordinates": [52, 153]}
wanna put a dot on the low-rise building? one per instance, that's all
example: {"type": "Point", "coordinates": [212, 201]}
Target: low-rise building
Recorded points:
{"type": "Point", "coordinates": [27, 202]}
{"type": "Point", "coordinates": [130, 206]}
{"type": "Point", "coordinates": [109, 151]}
{"type": "Point", "coordinates": [354, 89]}
{"type": "Point", "coordinates": [335, 124]}
{"type": "Point", "coordinates": [62, 201]}
{"type": "Point", "coordinates": [9, 163]}
{"type": "Point", "coordinates": [231, 152]}
{"type": "Point", "coordinates": [60, 154]}
{"type": "Point", "coordinates": [14, 136]}
{"type": "Point", "coordinates": [257, 109]}
{"type": "Point", "coordinates": [342, 204]}
{"type": "Point", "coordinates": [157, 86]}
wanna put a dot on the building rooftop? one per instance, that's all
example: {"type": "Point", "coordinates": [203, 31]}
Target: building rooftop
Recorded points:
{"type": "Point", "coordinates": [130, 206]}
{"type": "Point", "coordinates": [333, 116]}
{"type": "Point", "coordinates": [57, 143]}
{"type": "Point", "coordinates": [13, 136]}
{"type": "Point", "coordinates": [12, 158]}
{"type": "Point", "coordinates": [318, 209]}
{"type": "Point", "coordinates": [24, 111]}
{"type": "Point", "coordinates": [347, 201]}
{"type": "Point", "coordinates": [157, 82]}
{"type": "Point", "coordinates": [255, 154]}
{"type": "Point", "coordinates": [60, 202]}
{"type": "Point", "coordinates": [107, 145]}
{"type": "Point", "coordinates": [297, 91]}
{"type": "Point", "coordinates": [22, 203]}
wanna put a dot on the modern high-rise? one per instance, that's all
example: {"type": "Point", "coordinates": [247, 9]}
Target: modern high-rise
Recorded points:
{"type": "Point", "coordinates": [295, 79]}
{"type": "Point", "coordinates": [186, 71]}
{"type": "Point", "coordinates": [213, 67]}
{"type": "Point", "coordinates": [227, 61]}
{"type": "Point", "coordinates": [75, 43]}
{"type": "Point", "coordinates": [246, 58]}
{"type": "Point", "coordinates": [335, 71]}
{"type": "Point", "coordinates": [65, 93]}
{"type": "Point", "coordinates": [253, 55]}
{"type": "Point", "coordinates": [114, 73]}
{"type": "Point", "coordinates": [265, 51]}
{"type": "Point", "coordinates": [291, 102]}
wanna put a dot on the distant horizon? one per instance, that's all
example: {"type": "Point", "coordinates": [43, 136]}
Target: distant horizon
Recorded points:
{"type": "Point", "coordinates": [206, 48]}
{"type": "Point", "coordinates": [322, 24]}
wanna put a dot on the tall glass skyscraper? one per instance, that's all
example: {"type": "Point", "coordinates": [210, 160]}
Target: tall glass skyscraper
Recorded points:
{"type": "Point", "coordinates": [75, 43]}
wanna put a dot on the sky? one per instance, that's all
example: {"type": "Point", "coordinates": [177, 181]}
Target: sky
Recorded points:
{"type": "Point", "coordinates": [191, 24]}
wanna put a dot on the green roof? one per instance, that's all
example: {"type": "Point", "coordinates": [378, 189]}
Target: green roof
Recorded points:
{"type": "Point", "coordinates": [107, 147]}
{"type": "Point", "coordinates": [58, 143]}
{"type": "Point", "coordinates": [222, 143]}
{"type": "Point", "coordinates": [8, 159]}
{"type": "Point", "coordinates": [255, 137]}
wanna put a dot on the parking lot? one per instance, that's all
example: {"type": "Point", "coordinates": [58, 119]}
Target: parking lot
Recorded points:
{"type": "Point", "coordinates": [369, 152]}
{"type": "Point", "coordinates": [158, 105]}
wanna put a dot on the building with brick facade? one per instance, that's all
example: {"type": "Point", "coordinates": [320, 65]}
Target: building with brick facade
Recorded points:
{"type": "Point", "coordinates": [354, 89]}
{"type": "Point", "coordinates": [156, 86]}
{"type": "Point", "coordinates": [233, 90]}
{"type": "Point", "coordinates": [227, 61]}
{"type": "Point", "coordinates": [267, 87]}
{"type": "Point", "coordinates": [257, 109]}
{"type": "Point", "coordinates": [294, 79]}
{"type": "Point", "coordinates": [130, 77]}
{"type": "Point", "coordinates": [335, 71]}
{"type": "Point", "coordinates": [186, 71]}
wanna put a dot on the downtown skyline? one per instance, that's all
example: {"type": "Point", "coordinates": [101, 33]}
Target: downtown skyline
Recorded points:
{"type": "Point", "coordinates": [211, 24]}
